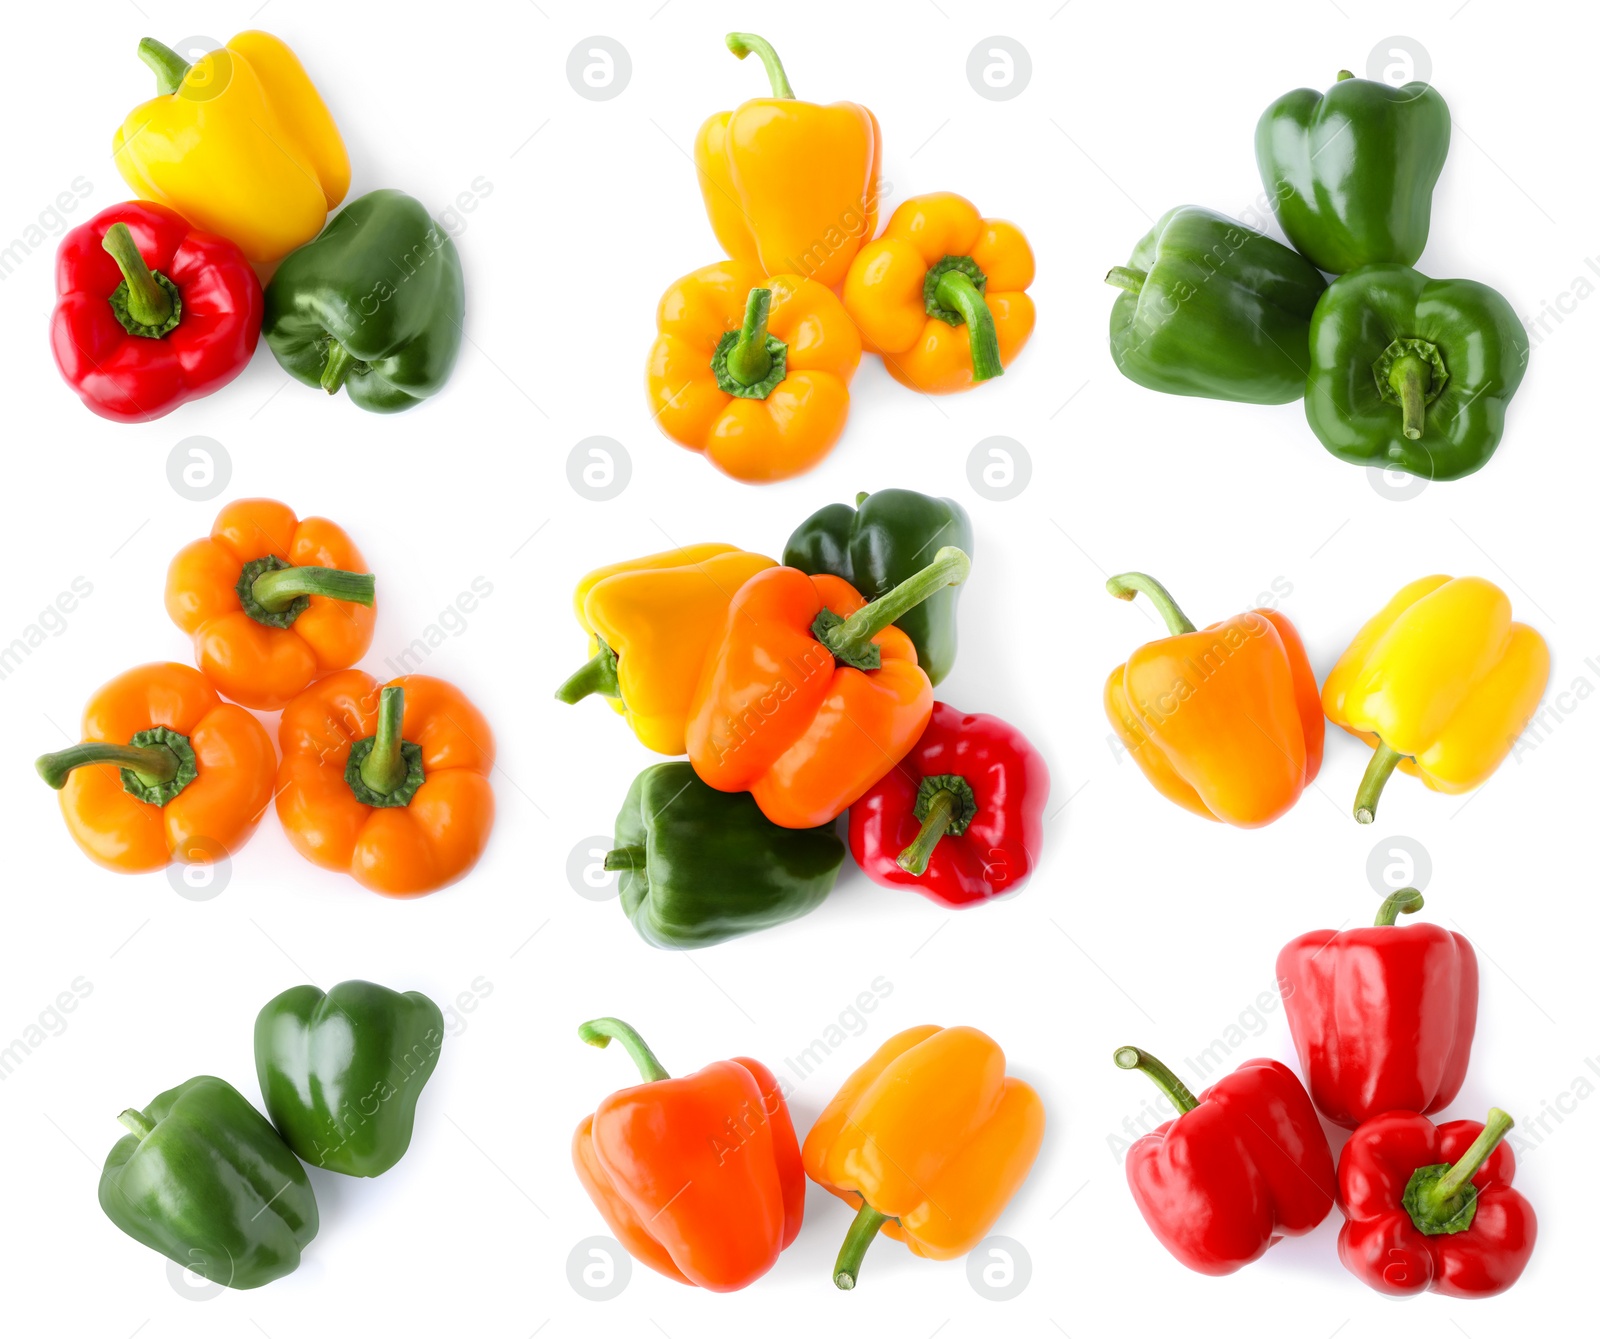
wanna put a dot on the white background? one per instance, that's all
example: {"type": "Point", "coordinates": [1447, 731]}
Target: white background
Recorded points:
{"type": "Point", "coordinates": [1143, 925]}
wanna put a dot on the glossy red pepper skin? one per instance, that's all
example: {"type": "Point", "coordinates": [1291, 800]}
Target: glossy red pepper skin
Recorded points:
{"type": "Point", "coordinates": [130, 378]}
{"type": "Point", "coordinates": [996, 852]}
{"type": "Point", "coordinates": [1382, 1017]}
{"type": "Point", "coordinates": [1248, 1166]}
{"type": "Point", "coordinates": [1383, 1248]}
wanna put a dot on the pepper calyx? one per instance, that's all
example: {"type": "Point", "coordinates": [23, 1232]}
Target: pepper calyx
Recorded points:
{"type": "Point", "coordinates": [401, 795]}
{"type": "Point", "coordinates": [930, 286]}
{"type": "Point", "coordinates": [156, 791]}
{"type": "Point", "coordinates": [750, 362]}
{"type": "Point", "coordinates": [277, 601]}
{"type": "Point", "coordinates": [1410, 373]}
{"type": "Point", "coordinates": [825, 629]}
{"type": "Point", "coordinates": [945, 806]}
{"type": "Point", "coordinates": [146, 303]}
{"type": "Point", "coordinates": [1441, 1198]}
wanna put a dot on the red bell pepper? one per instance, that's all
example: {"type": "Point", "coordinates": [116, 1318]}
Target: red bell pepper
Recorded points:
{"type": "Point", "coordinates": [1242, 1166]}
{"type": "Point", "coordinates": [1382, 1016]}
{"type": "Point", "coordinates": [150, 312]}
{"type": "Point", "coordinates": [1431, 1208]}
{"type": "Point", "coordinates": [961, 818]}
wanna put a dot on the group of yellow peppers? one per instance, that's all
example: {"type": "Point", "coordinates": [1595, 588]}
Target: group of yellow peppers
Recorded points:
{"type": "Point", "coordinates": [754, 355]}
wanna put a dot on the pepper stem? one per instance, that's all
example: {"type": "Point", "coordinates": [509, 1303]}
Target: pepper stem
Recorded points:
{"type": "Point", "coordinates": [625, 858]}
{"type": "Point", "coordinates": [1120, 276]}
{"type": "Point", "coordinates": [850, 639]}
{"type": "Point", "coordinates": [148, 302]}
{"type": "Point", "coordinates": [1496, 1128]}
{"type": "Point", "coordinates": [1384, 761]}
{"type": "Point", "coordinates": [137, 1122]}
{"type": "Point", "coordinates": [956, 291]}
{"type": "Point", "coordinates": [337, 368]}
{"type": "Point", "coordinates": [154, 765]}
{"type": "Point", "coordinates": [275, 591]}
{"type": "Point", "coordinates": [1441, 1199]}
{"type": "Point", "coordinates": [1128, 584]}
{"type": "Point", "coordinates": [742, 44]}
{"type": "Point", "coordinates": [168, 65]}
{"type": "Point", "coordinates": [861, 1235]}
{"type": "Point", "coordinates": [385, 767]}
{"type": "Point", "coordinates": [598, 674]}
{"type": "Point", "coordinates": [1409, 378]}
{"type": "Point", "coordinates": [1131, 1057]}
{"type": "Point", "coordinates": [941, 810]}
{"type": "Point", "coordinates": [749, 360]}
{"type": "Point", "coordinates": [1342, 76]}
{"type": "Point", "coordinates": [862, 497]}
{"type": "Point", "coordinates": [602, 1032]}
{"type": "Point", "coordinates": [1407, 900]}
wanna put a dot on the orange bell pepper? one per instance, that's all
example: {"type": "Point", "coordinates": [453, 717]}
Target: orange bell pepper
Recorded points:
{"type": "Point", "coordinates": [390, 783]}
{"type": "Point", "coordinates": [809, 696]}
{"type": "Point", "coordinates": [940, 295]}
{"type": "Point", "coordinates": [698, 1177]}
{"type": "Point", "coordinates": [754, 373]}
{"type": "Point", "coordinates": [167, 772]}
{"type": "Point", "coordinates": [1226, 722]}
{"type": "Point", "coordinates": [271, 601]}
{"type": "Point", "coordinates": [929, 1140]}
{"type": "Point", "coordinates": [789, 186]}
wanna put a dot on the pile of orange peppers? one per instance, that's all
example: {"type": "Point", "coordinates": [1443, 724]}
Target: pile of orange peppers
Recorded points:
{"type": "Point", "coordinates": [754, 354]}
{"type": "Point", "coordinates": [388, 783]}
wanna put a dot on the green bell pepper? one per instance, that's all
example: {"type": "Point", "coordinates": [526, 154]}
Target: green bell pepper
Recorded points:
{"type": "Point", "coordinates": [700, 865]}
{"type": "Point", "coordinates": [373, 304]}
{"type": "Point", "coordinates": [875, 545]}
{"type": "Point", "coordinates": [341, 1073]}
{"type": "Point", "coordinates": [1413, 373]}
{"type": "Point", "coordinates": [1214, 308]}
{"type": "Point", "coordinates": [205, 1180]}
{"type": "Point", "coordinates": [1351, 171]}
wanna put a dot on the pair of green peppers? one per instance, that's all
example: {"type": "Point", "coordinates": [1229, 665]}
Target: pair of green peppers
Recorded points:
{"type": "Point", "coordinates": [209, 1182]}
{"type": "Point", "coordinates": [1398, 370]}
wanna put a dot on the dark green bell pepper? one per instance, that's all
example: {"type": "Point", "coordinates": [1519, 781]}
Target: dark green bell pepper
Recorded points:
{"type": "Point", "coordinates": [1214, 308]}
{"type": "Point", "coordinates": [1412, 373]}
{"type": "Point", "coordinates": [205, 1180]}
{"type": "Point", "coordinates": [373, 304]}
{"type": "Point", "coordinates": [341, 1073]}
{"type": "Point", "coordinates": [875, 545]}
{"type": "Point", "coordinates": [1351, 171]}
{"type": "Point", "coordinates": [700, 866]}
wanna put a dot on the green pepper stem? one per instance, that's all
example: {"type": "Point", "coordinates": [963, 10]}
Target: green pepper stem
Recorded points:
{"type": "Point", "coordinates": [1409, 378]}
{"type": "Point", "coordinates": [137, 1122]}
{"type": "Point", "coordinates": [749, 360]}
{"type": "Point", "coordinates": [168, 65]}
{"type": "Point", "coordinates": [1384, 761]}
{"type": "Point", "coordinates": [863, 1231]}
{"type": "Point", "coordinates": [862, 497]}
{"type": "Point", "coordinates": [941, 809]}
{"type": "Point", "coordinates": [1128, 584]}
{"type": "Point", "coordinates": [1407, 900]}
{"type": "Point", "coordinates": [148, 303]}
{"type": "Point", "coordinates": [849, 639]}
{"type": "Point", "coordinates": [602, 1032]}
{"type": "Point", "coordinates": [1130, 280]}
{"type": "Point", "coordinates": [1131, 1057]}
{"type": "Point", "coordinates": [383, 769]}
{"type": "Point", "coordinates": [1467, 1166]}
{"type": "Point", "coordinates": [1342, 76]}
{"type": "Point", "coordinates": [337, 368]}
{"type": "Point", "coordinates": [275, 591]}
{"type": "Point", "coordinates": [742, 44]}
{"type": "Point", "coordinates": [957, 292]}
{"type": "Point", "coordinates": [625, 858]}
{"type": "Point", "coordinates": [598, 674]}
{"type": "Point", "coordinates": [154, 765]}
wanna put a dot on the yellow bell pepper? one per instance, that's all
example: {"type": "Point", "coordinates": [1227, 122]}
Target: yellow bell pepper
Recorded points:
{"type": "Point", "coordinates": [650, 621]}
{"type": "Point", "coordinates": [789, 186]}
{"type": "Point", "coordinates": [240, 143]}
{"type": "Point", "coordinates": [1440, 682]}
